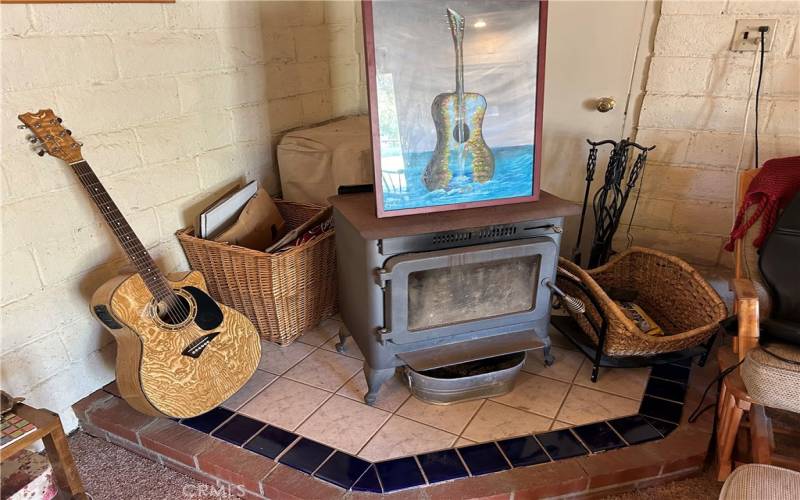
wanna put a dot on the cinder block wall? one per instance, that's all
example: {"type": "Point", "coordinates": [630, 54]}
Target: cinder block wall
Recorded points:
{"type": "Point", "coordinates": [315, 62]}
{"type": "Point", "coordinates": [694, 110]}
{"type": "Point", "coordinates": [171, 103]}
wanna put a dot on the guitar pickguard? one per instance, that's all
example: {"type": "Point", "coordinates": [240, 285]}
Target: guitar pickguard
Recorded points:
{"type": "Point", "coordinates": [209, 315]}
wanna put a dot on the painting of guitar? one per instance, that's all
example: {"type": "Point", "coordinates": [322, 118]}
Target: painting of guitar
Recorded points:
{"type": "Point", "coordinates": [459, 122]}
{"type": "Point", "coordinates": [179, 352]}
{"type": "Point", "coordinates": [436, 147]}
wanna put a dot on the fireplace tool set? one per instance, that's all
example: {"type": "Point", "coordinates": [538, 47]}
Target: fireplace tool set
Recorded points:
{"type": "Point", "coordinates": [609, 201]}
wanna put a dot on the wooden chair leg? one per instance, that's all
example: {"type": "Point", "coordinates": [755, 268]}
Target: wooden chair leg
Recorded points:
{"type": "Point", "coordinates": [760, 435]}
{"type": "Point", "coordinates": [726, 435]}
{"type": "Point", "coordinates": [64, 469]}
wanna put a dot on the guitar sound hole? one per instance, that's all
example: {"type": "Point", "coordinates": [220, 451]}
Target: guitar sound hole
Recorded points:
{"type": "Point", "coordinates": [461, 132]}
{"type": "Point", "coordinates": [175, 313]}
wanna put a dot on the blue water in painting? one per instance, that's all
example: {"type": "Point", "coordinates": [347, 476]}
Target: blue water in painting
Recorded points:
{"type": "Point", "coordinates": [513, 177]}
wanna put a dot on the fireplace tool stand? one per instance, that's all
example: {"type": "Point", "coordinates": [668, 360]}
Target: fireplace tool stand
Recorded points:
{"type": "Point", "coordinates": [609, 201]}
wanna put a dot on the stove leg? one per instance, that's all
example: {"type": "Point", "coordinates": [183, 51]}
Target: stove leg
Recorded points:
{"type": "Point", "coordinates": [375, 379]}
{"type": "Point", "coordinates": [343, 334]}
{"type": "Point", "coordinates": [549, 359]}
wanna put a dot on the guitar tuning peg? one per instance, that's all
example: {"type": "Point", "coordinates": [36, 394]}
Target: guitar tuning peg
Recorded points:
{"type": "Point", "coordinates": [22, 127]}
{"type": "Point", "coordinates": [40, 152]}
{"type": "Point", "coordinates": [59, 120]}
{"type": "Point", "coordinates": [69, 132]}
{"type": "Point", "coordinates": [31, 138]}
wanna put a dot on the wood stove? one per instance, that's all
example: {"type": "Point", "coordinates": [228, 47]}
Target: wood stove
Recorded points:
{"type": "Point", "coordinates": [438, 289]}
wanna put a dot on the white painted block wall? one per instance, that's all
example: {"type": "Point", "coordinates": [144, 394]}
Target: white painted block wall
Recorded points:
{"type": "Point", "coordinates": [694, 110]}
{"type": "Point", "coordinates": [170, 101]}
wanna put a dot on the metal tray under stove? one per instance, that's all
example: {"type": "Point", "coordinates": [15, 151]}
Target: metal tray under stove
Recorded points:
{"type": "Point", "coordinates": [479, 379]}
{"type": "Point", "coordinates": [471, 350]}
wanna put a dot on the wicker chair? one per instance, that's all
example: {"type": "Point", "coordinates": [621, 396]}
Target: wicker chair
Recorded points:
{"type": "Point", "coordinates": [764, 482]}
{"type": "Point", "coordinates": [668, 289]}
{"type": "Point", "coordinates": [767, 377]}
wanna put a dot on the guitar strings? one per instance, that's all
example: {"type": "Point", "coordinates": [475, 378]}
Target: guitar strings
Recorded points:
{"type": "Point", "coordinates": [175, 309]}
{"type": "Point", "coordinates": [170, 298]}
{"type": "Point", "coordinates": [172, 302]}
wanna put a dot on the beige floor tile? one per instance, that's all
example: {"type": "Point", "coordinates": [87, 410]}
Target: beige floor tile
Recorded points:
{"type": "Point", "coordinates": [628, 382]}
{"type": "Point", "coordinates": [401, 437]}
{"type": "Point", "coordinates": [557, 424]}
{"type": "Point", "coordinates": [350, 347]}
{"type": "Point", "coordinates": [584, 406]}
{"type": "Point", "coordinates": [497, 421]}
{"type": "Point", "coordinates": [276, 359]}
{"type": "Point", "coordinates": [451, 418]}
{"type": "Point", "coordinates": [320, 333]}
{"type": "Point", "coordinates": [285, 403]}
{"type": "Point", "coordinates": [564, 368]}
{"type": "Point", "coordinates": [257, 382]}
{"type": "Point", "coordinates": [324, 369]}
{"type": "Point", "coordinates": [343, 424]}
{"type": "Point", "coordinates": [462, 441]}
{"type": "Point", "coordinates": [392, 395]}
{"type": "Point", "coordinates": [536, 394]}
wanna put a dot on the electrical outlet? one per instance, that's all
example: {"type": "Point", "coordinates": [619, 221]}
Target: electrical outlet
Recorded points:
{"type": "Point", "coordinates": [746, 35]}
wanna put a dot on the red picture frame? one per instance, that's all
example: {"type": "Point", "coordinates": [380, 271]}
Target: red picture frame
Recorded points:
{"type": "Point", "coordinates": [369, 51]}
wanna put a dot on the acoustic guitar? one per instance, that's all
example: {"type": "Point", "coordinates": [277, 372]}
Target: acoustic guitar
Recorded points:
{"type": "Point", "coordinates": [179, 352]}
{"type": "Point", "coordinates": [458, 117]}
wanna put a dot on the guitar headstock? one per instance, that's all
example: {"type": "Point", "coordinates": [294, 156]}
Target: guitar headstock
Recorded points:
{"type": "Point", "coordinates": [456, 22]}
{"type": "Point", "coordinates": [48, 134]}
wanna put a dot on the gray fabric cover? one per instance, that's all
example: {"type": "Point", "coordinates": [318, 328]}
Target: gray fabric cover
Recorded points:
{"type": "Point", "coordinates": [771, 381]}
{"type": "Point", "coordinates": [761, 482]}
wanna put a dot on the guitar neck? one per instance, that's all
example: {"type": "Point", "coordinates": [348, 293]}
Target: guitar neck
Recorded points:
{"type": "Point", "coordinates": [457, 22]}
{"type": "Point", "coordinates": [459, 71]}
{"type": "Point", "coordinates": [137, 253]}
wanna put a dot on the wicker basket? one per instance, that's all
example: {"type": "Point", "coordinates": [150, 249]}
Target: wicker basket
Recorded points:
{"type": "Point", "coordinates": [283, 294]}
{"type": "Point", "coordinates": [668, 289]}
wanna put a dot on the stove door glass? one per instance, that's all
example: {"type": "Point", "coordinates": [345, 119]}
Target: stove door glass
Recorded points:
{"type": "Point", "coordinates": [477, 289]}
{"type": "Point", "coordinates": [466, 292]}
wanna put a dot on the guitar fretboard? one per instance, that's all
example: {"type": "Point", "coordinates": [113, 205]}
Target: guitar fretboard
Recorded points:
{"type": "Point", "coordinates": [137, 253]}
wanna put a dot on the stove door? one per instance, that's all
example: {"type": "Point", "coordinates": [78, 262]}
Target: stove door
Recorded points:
{"type": "Point", "coordinates": [468, 289]}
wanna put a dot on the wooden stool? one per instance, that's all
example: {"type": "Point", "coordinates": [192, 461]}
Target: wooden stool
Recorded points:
{"type": "Point", "coordinates": [50, 431]}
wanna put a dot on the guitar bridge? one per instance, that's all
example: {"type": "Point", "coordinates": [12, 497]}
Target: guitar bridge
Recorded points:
{"type": "Point", "coordinates": [196, 348]}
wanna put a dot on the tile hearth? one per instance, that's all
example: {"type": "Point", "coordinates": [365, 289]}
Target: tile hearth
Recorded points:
{"type": "Point", "coordinates": [302, 412]}
{"type": "Point", "coordinates": [312, 390]}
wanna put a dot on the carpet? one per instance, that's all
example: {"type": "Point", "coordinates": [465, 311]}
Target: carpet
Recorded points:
{"type": "Point", "coordinates": [110, 472]}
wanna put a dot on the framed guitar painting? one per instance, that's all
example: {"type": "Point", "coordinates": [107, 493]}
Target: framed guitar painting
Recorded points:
{"type": "Point", "coordinates": [455, 94]}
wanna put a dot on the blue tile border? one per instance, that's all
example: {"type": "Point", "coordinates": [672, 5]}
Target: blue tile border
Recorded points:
{"type": "Point", "coordinates": [399, 474]}
{"type": "Point", "coordinates": [659, 414]}
{"type": "Point", "coordinates": [483, 458]}
{"type": "Point", "coordinates": [442, 465]}
{"type": "Point", "coordinates": [306, 455]}
{"type": "Point", "coordinates": [561, 444]}
{"type": "Point", "coordinates": [342, 469]}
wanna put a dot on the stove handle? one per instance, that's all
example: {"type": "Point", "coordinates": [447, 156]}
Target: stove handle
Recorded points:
{"type": "Point", "coordinates": [574, 304]}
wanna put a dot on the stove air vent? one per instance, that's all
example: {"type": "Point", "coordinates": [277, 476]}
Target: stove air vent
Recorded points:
{"type": "Point", "coordinates": [444, 239]}
{"type": "Point", "coordinates": [497, 232]}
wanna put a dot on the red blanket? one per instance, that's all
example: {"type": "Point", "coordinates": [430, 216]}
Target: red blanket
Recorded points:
{"type": "Point", "coordinates": [770, 191]}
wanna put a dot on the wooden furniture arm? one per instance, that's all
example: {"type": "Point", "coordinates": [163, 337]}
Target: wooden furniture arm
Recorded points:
{"type": "Point", "coordinates": [744, 289]}
{"type": "Point", "coordinates": [747, 311]}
